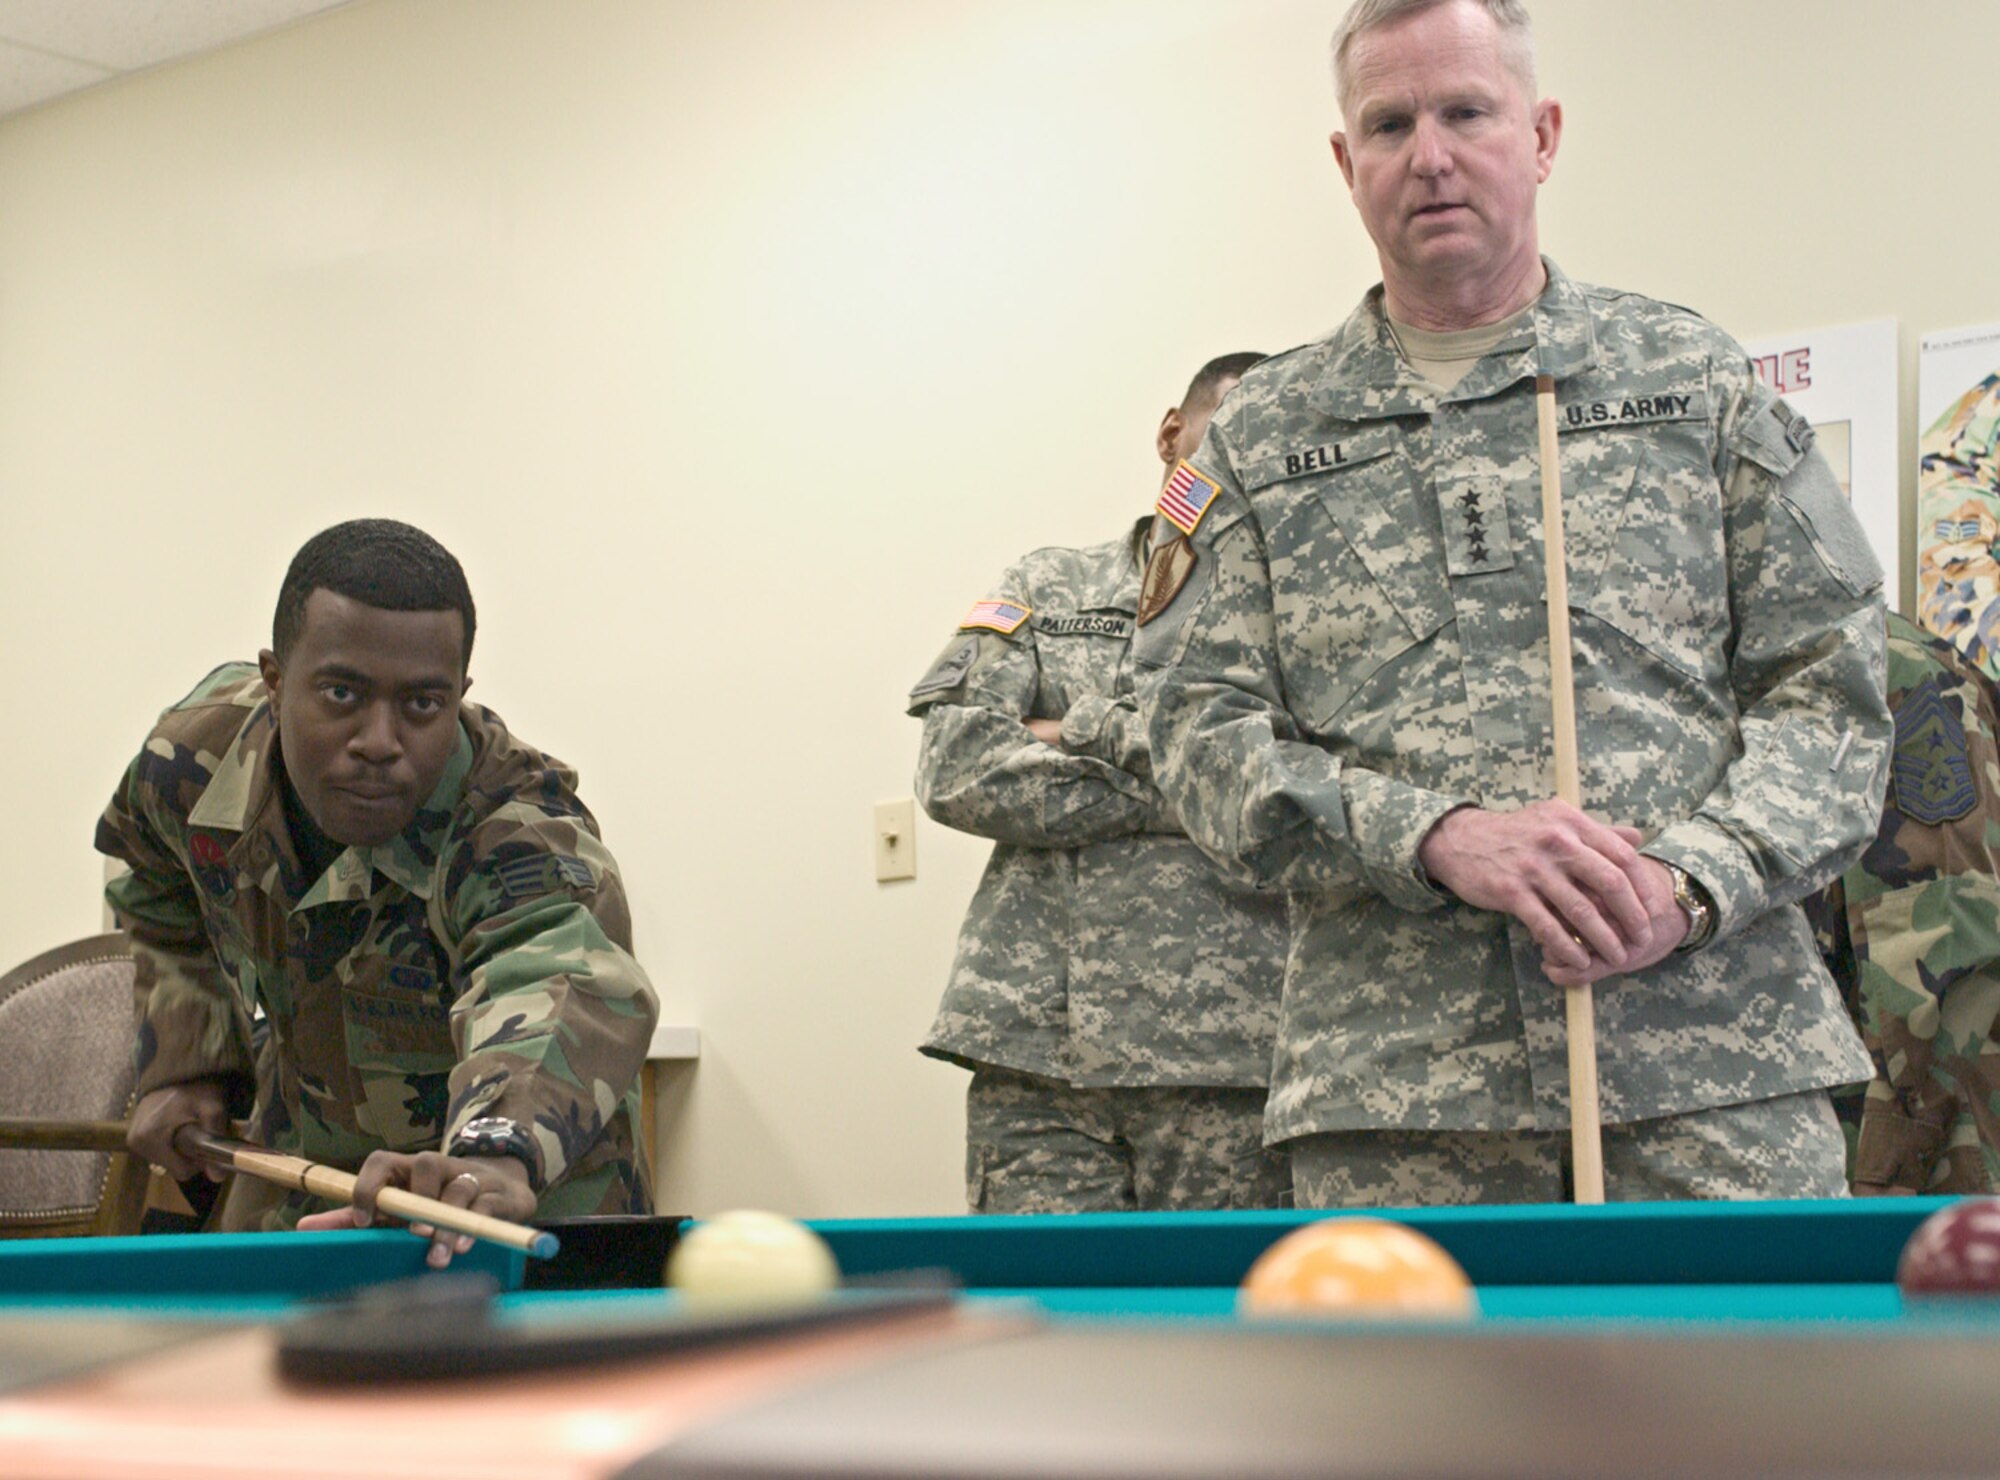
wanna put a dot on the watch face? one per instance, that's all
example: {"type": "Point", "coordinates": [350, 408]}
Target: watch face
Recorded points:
{"type": "Point", "coordinates": [488, 1137]}
{"type": "Point", "coordinates": [497, 1136]}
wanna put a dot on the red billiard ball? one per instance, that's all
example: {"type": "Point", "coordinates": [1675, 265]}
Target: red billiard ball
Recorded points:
{"type": "Point", "coordinates": [1955, 1251]}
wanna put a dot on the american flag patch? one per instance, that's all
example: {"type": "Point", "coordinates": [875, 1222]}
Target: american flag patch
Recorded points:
{"type": "Point", "coordinates": [1001, 616]}
{"type": "Point", "coordinates": [1187, 497]}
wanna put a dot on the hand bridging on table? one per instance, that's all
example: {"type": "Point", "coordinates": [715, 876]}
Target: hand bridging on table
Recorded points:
{"type": "Point", "coordinates": [1595, 905]}
{"type": "Point", "coordinates": [494, 1185]}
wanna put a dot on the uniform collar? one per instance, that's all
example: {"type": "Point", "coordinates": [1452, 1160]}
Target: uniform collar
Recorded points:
{"type": "Point", "coordinates": [243, 797]}
{"type": "Point", "coordinates": [410, 858]}
{"type": "Point", "coordinates": [1114, 584]}
{"type": "Point", "coordinates": [1367, 379]}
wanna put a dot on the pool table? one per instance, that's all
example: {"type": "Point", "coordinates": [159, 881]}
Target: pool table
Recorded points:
{"type": "Point", "coordinates": [1687, 1339]}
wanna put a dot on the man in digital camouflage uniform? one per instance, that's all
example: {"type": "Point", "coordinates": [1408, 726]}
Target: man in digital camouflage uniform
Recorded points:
{"type": "Point", "coordinates": [415, 900]}
{"type": "Point", "coordinates": [1912, 934]}
{"type": "Point", "coordinates": [1345, 672]}
{"type": "Point", "coordinates": [1114, 999]}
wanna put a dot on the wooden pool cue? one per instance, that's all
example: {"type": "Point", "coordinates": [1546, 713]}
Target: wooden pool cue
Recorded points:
{"type": "Point", "coordinates": [20, 1133]}
{"type": "Point", "coordinates": [338, 1186]}
{"type": "Point", "coordinates": [25, 1134]}
{"type": "Point", "coordinates": [1586, 1131]}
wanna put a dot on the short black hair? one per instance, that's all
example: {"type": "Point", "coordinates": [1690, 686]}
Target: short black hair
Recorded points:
{"type": "Point", "coordinates": [1206, 387]}
{"type": "Point", "coordinates": [380, 563]}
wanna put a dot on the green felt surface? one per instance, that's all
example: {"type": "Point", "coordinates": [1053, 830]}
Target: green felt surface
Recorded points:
{"type": "Point", "coordinates": [1829, 1264]}
{"type": "Point", "coordinates": [170, 1268]}
{"type": "Point", "coordinates": [181, 1307]}
{"type": "Point", "coordinates": [1849, 1241]}
{"type": "Point", "coordinates": [1576, 1305]}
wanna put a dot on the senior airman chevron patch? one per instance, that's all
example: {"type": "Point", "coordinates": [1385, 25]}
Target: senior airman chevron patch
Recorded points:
{"type": "Point", "coordinates": [543, 873]}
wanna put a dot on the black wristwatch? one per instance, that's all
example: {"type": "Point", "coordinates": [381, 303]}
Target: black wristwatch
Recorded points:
{"type": "Point", "coordinates": [495, 1135]}
{"type": "Point", "coordinates": [1695, 904]}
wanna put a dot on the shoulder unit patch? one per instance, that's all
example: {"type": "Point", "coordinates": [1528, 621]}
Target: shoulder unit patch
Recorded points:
{"type": "Point", "coordinates": [949, 671]}
{"type": "Point", "coordinates": [1167, 570]}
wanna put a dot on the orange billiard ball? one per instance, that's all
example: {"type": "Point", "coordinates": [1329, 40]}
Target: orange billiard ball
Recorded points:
{"type": "Point", "coordinates": [1367, 1267]}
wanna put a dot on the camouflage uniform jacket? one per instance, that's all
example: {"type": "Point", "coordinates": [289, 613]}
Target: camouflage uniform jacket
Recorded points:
{"type": "Point", "coordinates": [1361, 646]}
{"type": "Point", "coordinates": [1912, 932]}
{"type": "Point", "coordinates": [477, 965]}
{"type": "Point", "coordinates": [1102, 947]}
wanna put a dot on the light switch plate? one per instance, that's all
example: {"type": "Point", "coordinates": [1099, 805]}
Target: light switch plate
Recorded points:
{"type": "Point", "coordinates": [895, 840]}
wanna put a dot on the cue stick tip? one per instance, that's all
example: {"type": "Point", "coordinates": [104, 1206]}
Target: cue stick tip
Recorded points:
{"type": "Point", "coordinates": [1545, 383]}
{"type": "Point", "coordinates": [544, 1245]}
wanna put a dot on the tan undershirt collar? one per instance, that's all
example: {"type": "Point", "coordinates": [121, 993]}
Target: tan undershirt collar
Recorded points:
{"type": "Point", "coordinates": [1446, 359]}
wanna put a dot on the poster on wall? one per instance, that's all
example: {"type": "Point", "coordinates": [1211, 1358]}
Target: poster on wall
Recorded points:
{"type": "Point", "coordinates": [1958, 490]}
{"type": "Point", "coordinates": [1843, 380]}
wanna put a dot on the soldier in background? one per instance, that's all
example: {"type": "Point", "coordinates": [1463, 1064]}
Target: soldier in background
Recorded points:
{"type": "Point", "coordinates": [1347, 685]}
{"type": "Point", "coordinates": [1912, 934]}
{"type": "Point", "coordinates": [415, 900]}
{"type": "Point", "coordinates": [1113, 997]}
{"type": "Point", "coordinates": [1958, 499]}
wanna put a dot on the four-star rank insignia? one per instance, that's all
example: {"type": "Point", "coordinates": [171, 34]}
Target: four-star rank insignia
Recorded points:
{"type": "Point", "coordinates": [1167, 570]}
{"type": "Point", "coordinates": [1475, 527]}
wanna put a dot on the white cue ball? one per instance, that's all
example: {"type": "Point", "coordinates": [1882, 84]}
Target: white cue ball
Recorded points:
{"type": "Point", "coordinates": [745, 1258]}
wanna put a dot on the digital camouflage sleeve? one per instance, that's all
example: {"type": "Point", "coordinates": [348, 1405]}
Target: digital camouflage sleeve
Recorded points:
{"type": "Point", "coordinates": [1101, 949]}
{"type": "Point", "coordinates": [1351, 639]}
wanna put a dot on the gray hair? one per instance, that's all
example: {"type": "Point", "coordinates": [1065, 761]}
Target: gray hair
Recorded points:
{"type": "Point", "coordinates": [1517, 37]}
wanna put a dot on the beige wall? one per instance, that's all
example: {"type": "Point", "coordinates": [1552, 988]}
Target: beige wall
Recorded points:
{"type": "Point", "coordinates": [735, 347]}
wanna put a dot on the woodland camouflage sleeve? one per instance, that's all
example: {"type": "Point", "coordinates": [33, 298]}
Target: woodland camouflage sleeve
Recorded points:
{"type": "Point", "coordinates": [553, 1014]}
{"type": "Point", "coordinates": [191, 1025]}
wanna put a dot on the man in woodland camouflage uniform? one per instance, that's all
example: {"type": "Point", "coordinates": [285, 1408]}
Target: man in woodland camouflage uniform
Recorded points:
{"type": "Point", "coordinates": [1958, 521]}
{"type": "Point", "coordinates": [415, 900]}
{"type": "Point", "coordinates": [1912, 934]}
{"type": "Point", "coordinates": [1345, 672]}
{"type": "Point", "coordinates": [1114, 999]}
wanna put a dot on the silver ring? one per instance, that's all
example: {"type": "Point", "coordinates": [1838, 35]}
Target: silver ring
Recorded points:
{"type": "Point", "coordinates": [468, 1177]}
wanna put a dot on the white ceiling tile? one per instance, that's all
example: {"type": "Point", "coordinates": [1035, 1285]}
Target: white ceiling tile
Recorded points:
{"type": "Point", "coordinates": [29, 77]}
{"type": "Point", "coordinates": [128, 34]}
